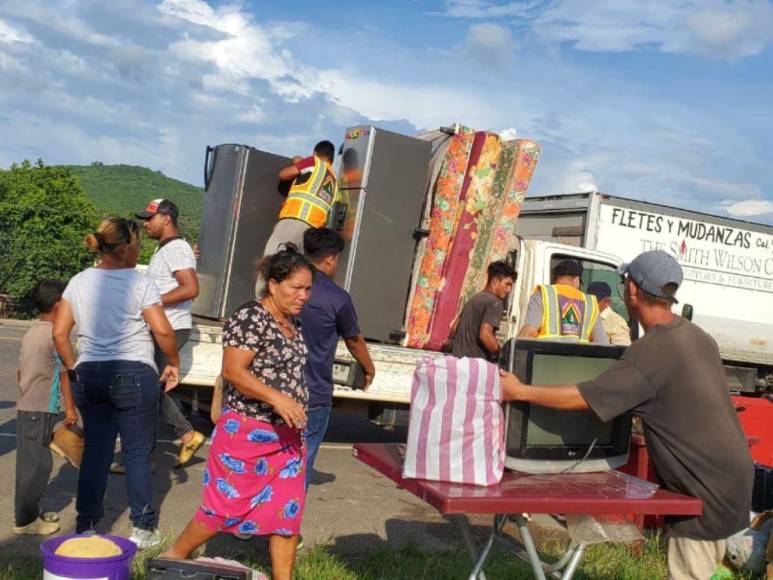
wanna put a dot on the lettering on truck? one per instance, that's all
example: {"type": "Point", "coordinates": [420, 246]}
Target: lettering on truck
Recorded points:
{"type": "Point", "coordinates": [728, 270]}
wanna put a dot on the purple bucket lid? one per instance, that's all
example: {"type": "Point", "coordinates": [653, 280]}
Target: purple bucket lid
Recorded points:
{"type": "Point", "coordinates": [128, 548]}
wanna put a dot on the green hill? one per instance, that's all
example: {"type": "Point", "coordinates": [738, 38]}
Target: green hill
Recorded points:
{"type": "Point", "coordinates": [122, 190]}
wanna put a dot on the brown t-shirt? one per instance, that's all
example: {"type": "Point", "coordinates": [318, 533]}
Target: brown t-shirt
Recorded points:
{"type": "Point", "coordinates": [39, 369]}
{"type": "Point", "coordinates": [674, 380]}
{"type": "Point", "coordinates": [483, 307]}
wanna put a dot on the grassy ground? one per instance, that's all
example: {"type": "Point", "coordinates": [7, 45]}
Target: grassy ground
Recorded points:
{"type": "Point", "coordinates": [645, 561]}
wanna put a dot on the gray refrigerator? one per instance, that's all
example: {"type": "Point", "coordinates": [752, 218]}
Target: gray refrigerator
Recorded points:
{"type": "Point", "coordinates": [241, 206]}
{"type": "Point", "coordinates": [382, 176]}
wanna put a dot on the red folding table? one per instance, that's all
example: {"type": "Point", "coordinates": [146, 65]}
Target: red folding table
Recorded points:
{"type": "Point", "coordinates": [609, 492]}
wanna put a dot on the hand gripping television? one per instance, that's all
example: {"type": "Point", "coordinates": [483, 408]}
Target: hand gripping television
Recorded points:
{"type": "Point", "coordinates": [543, 440]}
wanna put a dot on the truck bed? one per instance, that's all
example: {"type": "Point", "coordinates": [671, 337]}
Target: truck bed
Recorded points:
{"type": "Point", "coordinates": [201, 357]}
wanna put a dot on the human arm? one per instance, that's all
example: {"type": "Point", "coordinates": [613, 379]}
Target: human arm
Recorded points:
{"type": "Point", "coordinates": [289, 172]}
{"type": "Point", "coordinates": [216, 408]}
{"type": "Point", "coordinates": [348, 328]}
{"type": "Point", "coordinates": [156, 319]}
{"type": "Point", "coordinates": [487, 336]}
{"type": "Point", "coordinates": [618, 330]}
{"type": "Point", "coordinates": [448, 342]}
{"type": "Point", "coordinates": [180, 259]}
{"type": "Point", "coordinates": [533, 319]}
{"type": "Point", "coordinates": [622, 387]}
{"type": "Point", "coordinates": [187, 288]}
{"type": "Point", "coordinates": [236, 370]}
{"type": "Point", "coordinates": [566, 397]}
{"type": "Point", "coordinates": [70, 416]}
{"type": "Point", "coordinates": [492, 318]}
{"type": "Point", "coordinates": [597, 334]}
{"type": "Point", "coordinates": [359, 350]}
{"type": "Point", "coordinates": [63, 324]}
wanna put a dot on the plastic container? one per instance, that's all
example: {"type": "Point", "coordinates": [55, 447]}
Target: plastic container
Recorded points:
{"type": "Point", "coordinates": [65, 568]}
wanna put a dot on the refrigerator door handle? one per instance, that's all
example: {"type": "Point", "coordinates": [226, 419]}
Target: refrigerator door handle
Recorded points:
{"type": "Point", "coordinates": [209, 165]}
{"type": "Point", "coordinates": [337, 216]}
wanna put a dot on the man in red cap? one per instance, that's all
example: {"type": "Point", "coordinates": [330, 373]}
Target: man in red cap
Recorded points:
{"type": "Point", "coordinates": [173, 269]}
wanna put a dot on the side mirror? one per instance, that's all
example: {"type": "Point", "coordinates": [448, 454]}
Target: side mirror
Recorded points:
{"type": "Point", "coordinates": [687, 311]}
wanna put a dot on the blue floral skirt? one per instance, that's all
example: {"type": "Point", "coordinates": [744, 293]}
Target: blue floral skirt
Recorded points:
{"type": "Point", "coordinates": [254, 481]}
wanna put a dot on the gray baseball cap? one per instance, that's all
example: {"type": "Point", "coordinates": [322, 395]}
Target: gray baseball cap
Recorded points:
{"type": "Point", "coordinates": [653, 271]}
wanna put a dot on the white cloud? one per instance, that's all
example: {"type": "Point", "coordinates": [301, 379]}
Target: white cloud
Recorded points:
{"type": "Point", "coordinates": [488, 9]}
{"type": "Point", "coordinates": [488, 44]}
{"type": "Point", "coordinates": [750, 208]}
{"type": "Point", "coordinates": [426, 105]}
{"type": "Point", "coordinates": [508, 134]}
{"type": "Point", "coordinates": [62, 18]}
{"type": "Point", "coordinates": [243, 50]}
{"type": "Point", "coordinates": [11, 35]}
{"type": "Point", "coordinates": [736, 29]}
{"type": "Point", "coordinates": [718, 28]}
{"type": "Point", "coordinates": [586, 182]}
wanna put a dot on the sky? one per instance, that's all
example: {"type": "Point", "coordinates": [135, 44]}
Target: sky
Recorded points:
{"type": "Point", "coordinates": [669, 101]}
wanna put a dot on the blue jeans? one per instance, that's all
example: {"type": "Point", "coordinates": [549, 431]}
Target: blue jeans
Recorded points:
{"type": "Point", "coordinates": [317, 417]}
{"type": "Point", "coordinates": [116, 397]}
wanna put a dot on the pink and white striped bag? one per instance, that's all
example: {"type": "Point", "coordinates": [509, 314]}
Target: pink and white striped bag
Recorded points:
{"type": "Point", "coordinates": [456, 422]}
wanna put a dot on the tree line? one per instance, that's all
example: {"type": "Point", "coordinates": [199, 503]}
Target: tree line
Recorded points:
{"type": "Point", "coordinates": [45, 214]}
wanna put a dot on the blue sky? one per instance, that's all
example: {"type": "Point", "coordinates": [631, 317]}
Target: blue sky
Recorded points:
{"type": "Point", "coordinates": [663, 100]}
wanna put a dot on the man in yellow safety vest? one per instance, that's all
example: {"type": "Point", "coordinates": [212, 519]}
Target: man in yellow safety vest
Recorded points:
{"type": "Point", "coordinates": [561, 312]}
{"type": "Point", "coordinates": [309, 201]}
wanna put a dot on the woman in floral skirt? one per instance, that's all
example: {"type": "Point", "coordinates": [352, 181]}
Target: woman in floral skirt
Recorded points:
{"type": "Point", "coordinates": [254, 479]}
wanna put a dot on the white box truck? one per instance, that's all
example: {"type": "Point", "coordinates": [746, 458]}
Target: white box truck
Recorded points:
{"type": "Point", "coordinates": [727, 263]}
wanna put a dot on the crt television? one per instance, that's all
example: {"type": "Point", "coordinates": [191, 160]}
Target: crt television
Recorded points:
{"type": "Point", "coordinates": [543, 440]}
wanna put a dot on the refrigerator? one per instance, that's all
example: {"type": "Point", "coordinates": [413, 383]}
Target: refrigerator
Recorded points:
{"type": "Point", "coordinates": [382, 178]}
{"type": "Point", "coordinates": [241, 205]}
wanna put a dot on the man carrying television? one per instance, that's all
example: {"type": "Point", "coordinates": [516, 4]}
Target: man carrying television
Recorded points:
{"type": "Point", "coordinates": [561, 311]}
{"type": "Point", "coordinates": [674, 380]}
{"type": "Point", "coordinates": [474, 334]}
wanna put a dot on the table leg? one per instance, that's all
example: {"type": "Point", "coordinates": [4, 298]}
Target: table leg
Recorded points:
{"type": "Point", "coordinates": [574, 562]}
{"type": "Point", "coordinates": [528, 543]}
{"type": "Point", "coordinates": [478, 559]}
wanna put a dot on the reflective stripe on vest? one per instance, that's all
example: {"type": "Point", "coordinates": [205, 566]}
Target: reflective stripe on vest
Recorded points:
{"type": "Point", "coordinates": [551, 316]}
{"type": "Point", "coordinates": [304, 201]}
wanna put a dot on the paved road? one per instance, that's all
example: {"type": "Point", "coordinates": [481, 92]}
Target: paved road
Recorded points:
{"type": "Point", "coordinates": [350, 506]}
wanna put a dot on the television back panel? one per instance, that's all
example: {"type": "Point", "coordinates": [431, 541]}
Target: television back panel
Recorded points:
{"type": "Point", "coordinates": [241, 205]}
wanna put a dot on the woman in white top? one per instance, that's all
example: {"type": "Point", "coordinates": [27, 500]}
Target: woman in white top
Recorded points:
{"type": "Point", "coordinates": [115, 382]}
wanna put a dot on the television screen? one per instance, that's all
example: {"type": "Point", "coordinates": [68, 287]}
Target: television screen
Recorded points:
{"type": "Point", "coordinates": [544, 440]}
{"type": "Point", "coordinates": [551, 427]}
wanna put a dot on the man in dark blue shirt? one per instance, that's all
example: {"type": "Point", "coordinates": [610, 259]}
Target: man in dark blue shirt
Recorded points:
{"type": "Point", "coordinates": [328, 315]}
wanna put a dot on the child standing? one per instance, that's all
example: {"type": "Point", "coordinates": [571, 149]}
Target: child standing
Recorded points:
{"type": "Point", "coordinates": [41, 381]}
